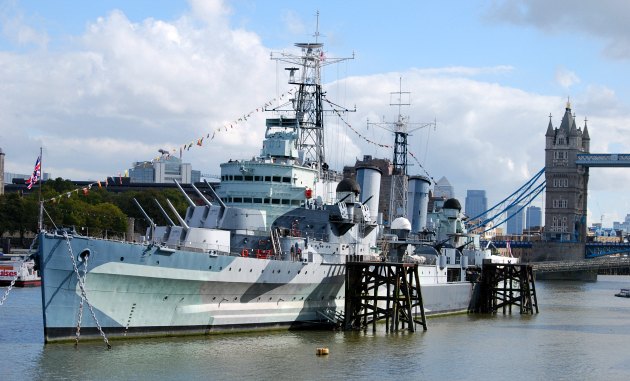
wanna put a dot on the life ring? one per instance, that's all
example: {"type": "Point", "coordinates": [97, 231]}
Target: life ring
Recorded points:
{"type": "Point", "coordinates": [244, 253]}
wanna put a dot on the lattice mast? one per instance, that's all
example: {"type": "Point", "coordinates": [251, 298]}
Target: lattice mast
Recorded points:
{"type": "Point", "coordinates": [307, 103]}
{"type": "Point", "coordinates": [400, 128]}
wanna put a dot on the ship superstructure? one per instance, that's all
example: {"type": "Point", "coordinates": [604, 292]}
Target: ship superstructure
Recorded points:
{"type": "Point", "coordinates": [291, 170]}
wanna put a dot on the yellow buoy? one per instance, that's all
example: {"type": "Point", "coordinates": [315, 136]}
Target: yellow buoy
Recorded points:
{"type": "Point", "coordinates": [322, 351]}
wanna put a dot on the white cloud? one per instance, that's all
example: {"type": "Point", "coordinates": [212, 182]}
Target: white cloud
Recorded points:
{"type": "Point", "coordinates": [467, 71]}
{"type": "Point", "coordinates": [133, 85]}
{"type": "Point", "coordinates": [565, 77]}
{"type": "Point", "coordinates": [604, 19]}
{"type": "Point", "coordinates": [125, 89]}
{"type": "Point", "coordinates": [294, 23]}
{"type": "Point", "coordinates": [17, 30]}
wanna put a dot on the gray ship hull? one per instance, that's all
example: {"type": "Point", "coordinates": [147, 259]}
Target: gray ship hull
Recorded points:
{"type": "Point", "coordinates": [139, 290]}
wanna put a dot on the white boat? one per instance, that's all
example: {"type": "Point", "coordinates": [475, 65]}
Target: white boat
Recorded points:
{"type": "Point", "coordinates": [18, 270]}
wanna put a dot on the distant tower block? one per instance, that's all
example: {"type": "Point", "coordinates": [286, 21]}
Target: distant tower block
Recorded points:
{"type": "Point", "coordinates": [1, 171]}
{"type": "Point", "coordinates": [567, 182]}
{"type": "Point", "coordinates": [417, 202]}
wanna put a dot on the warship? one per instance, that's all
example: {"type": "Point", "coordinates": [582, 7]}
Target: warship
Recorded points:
{"type": "Point", "coordinates": [266, 250]}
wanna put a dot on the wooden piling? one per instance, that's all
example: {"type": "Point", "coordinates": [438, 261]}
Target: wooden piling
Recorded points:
{"type": "Point", "coordinates": [365, 304]}
{"type": "Point", "coordinates": [505, 285]}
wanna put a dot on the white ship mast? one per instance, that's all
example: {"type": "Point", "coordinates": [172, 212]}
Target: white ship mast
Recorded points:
{"type": "Point", "coordinates": [400, 128]}
{"type": "Point", "coordinates": [308, 101]}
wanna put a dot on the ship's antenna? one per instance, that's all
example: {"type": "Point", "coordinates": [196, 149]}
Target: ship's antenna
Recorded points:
{"type": "Point", "coordinates": [40, 222]}
{"type": "Point", "coordinates": [400, 128]}
{"type": "Point", "coordinates": [307, 102]}
{"type": "Point", "coordinates": [316, 35]}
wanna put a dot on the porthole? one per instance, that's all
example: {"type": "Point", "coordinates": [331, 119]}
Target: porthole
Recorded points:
{"type": "Point", "coordinates": [122, 259]}
{"type": "Point", "coordinates": [209, 267]}
{"type": "Point", "coordinates": [166, 297]}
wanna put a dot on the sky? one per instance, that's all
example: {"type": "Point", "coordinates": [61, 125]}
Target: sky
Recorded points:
{"type": "Point", "coordinates": [100, 85]}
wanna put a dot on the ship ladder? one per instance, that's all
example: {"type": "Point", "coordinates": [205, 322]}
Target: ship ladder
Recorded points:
{"type": "Point", "coordinates": [275, 242]}
{"type": "Point", "coordinates": [333, 316]}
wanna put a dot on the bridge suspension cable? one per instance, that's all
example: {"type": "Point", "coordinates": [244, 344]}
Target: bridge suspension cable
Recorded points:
{"type": "Point", "coordinates": [520, 198]}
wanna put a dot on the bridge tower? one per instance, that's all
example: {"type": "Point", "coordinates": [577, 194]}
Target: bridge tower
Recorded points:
{"type": "Point", "coordinates": [566, 181]}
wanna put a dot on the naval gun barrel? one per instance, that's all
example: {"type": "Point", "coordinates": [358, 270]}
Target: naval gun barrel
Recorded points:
{"type": "Point", "coordinates": [168, 219]}
{"type": "Point", "coordinates": [188, 200]}
{"type": "Point", "coordinates": [205, 200]}
{"type": "Point", "coordinates": [367, 200]}
{"type": "Point", "coordinates": [214, 194]}
{"type": "Point", "coordinates": [146, 216]}
{"type": "Point", "coordinates": [343, 199]}
{"type": "Point", "coordinates": [179, 218]}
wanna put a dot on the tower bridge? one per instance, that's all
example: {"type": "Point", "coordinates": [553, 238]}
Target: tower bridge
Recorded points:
{"type": "Point", "coordinates": [567, 163]}
{"type": "Point", "coordinates": [609, 160]}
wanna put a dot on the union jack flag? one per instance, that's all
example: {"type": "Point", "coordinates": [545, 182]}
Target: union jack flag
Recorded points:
{"type": "Point", "coordinates": [37, 171]}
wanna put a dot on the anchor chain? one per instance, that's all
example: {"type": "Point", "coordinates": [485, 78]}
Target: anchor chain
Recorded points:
{"type": "Point", "coordinates": [8, 290]}
{"type": "Point", "coordinates": [79, 318]}
{"type": "Point", "coordinates": [83, 293]}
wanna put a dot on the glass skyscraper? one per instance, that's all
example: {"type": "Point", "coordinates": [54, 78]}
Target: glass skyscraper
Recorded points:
{"type": "Point", "coordinates": [533, 217]}
{"type": "Point", "coordinates": [476, 202]}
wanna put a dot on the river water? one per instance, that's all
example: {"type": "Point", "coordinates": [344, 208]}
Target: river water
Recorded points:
{"type": "Point", "coordinates": [581, 333]}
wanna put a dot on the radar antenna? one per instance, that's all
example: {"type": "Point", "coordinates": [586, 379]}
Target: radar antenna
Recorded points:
{"type": "Point", "coordinates": [401, 130]}
{"type": "Point", "coordinates": [307, 104]}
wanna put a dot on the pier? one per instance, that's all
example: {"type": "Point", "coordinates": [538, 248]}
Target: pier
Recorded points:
{"type": "Point", "coordinates": [595, 264]}
{"type": "Point", "coordinates": [505, 285]}
{"type": "Point", "coordinates": [383, 290]}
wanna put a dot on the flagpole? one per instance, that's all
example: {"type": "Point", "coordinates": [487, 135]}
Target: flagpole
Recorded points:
{"type": "Point", "coordinates": [40, 222]}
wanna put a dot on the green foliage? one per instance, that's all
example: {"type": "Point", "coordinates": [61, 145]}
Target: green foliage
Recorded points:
{"type": "Point", "coordinates": [97, 212]}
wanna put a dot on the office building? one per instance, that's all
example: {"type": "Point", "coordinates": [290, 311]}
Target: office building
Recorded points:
{"type": "Point", "coordinates": [165, 169]}
{"type": "Point", "coordinates": [476, 202]}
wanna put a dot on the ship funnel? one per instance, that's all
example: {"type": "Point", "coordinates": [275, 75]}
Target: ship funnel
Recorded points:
{"type": "Point", "coordinates": [188, 200]}
{"type": "Point", "coordinates": [166, 216]}
{"type": "Point", "coordinates": [179, 218]}
{"type": "Point", "coordinates": [369, 178]}
{"type": "Point", "coordinates": [417, 202]}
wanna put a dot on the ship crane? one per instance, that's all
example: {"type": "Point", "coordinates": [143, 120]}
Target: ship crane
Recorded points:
{"type": "Point", "coordinates": [401, 129]}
